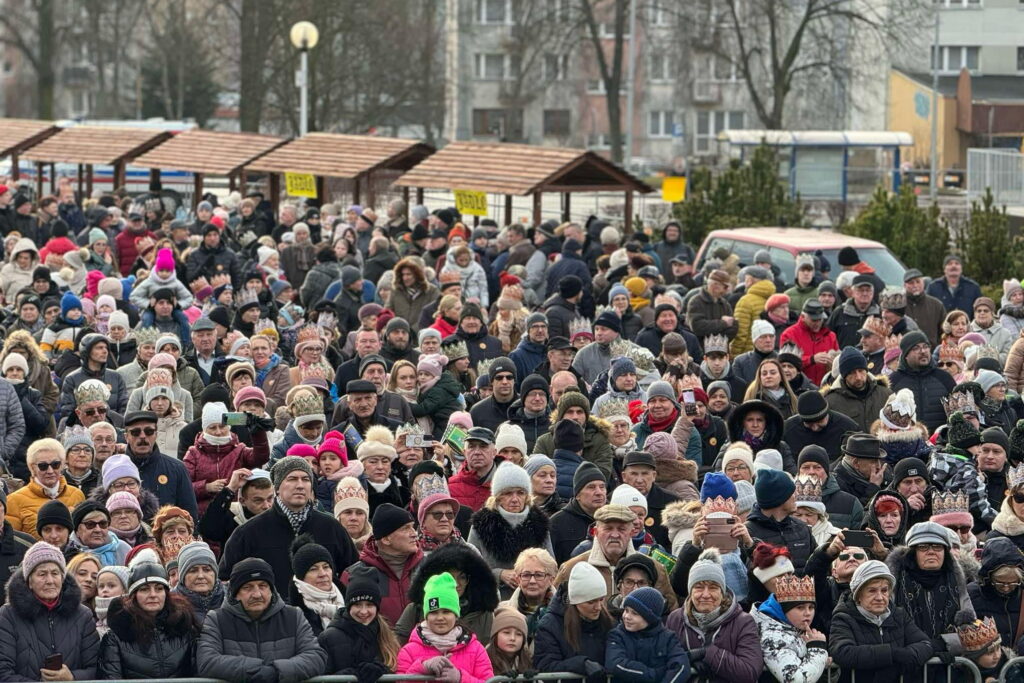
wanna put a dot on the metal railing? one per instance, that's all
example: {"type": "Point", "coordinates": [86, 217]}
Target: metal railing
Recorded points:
{"type": "Point", "coordinates": [1002, 170]}
{"type": "Point", "coordinates": [958, 662]}
{"type": "Point", "coordinates": [1008, 667]}
{"type": "Point", "coordinates": [388, 678]}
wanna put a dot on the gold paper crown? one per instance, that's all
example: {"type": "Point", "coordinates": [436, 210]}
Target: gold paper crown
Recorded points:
{"type": "Point", "coordinates": [580, 326]}
{"type": "Point", "coordinates": [948, 352]}
{"type": "Point", "coordinates": [246, 297]}
{"type": "Point", "coordinates": [349, 488]}
{"type": "Point", "coordinates": [91, 390]}
{"type": "Point", "coordinates": [978, 635]}
{"type": "Point", "coordinates": [408, 428]}
{"type": "Point", "coordinates": [716, 343]}
{"type": "Point", "coordinates": [456, 350]}
{"type": "Point", "coordinates": [147, 335]}
{"type": "Point", "coordinates": [791, 588]}
{"type": "Point", "coordinates": [988, 351]}
{"type": "Point", "coordinates": [642, 358]}
{"type": "Point", "coordinates": [306, 403]}
{"type": "Point", "coordinates": [308, 333]}
{"type": "Point", "coordinates": [951, 502]}
{"type": "Point", "coordinates": [808, 490]}
{"type": "Point", "coordinates": [962, 401]}
{"type": "Point", "coordinates": [429, 485]}
{"type": "Point", "coordinates": [876, 325]}
{"type": "Point", "coordinates": [892, 298]}
{"type": "Point", "coordinates": [266, 327]}
{"type": "Point", "coordinates": [1015, 475]}
{"type": "Point", "coordinates": [484, 366]}
{"type": "Point", "coordinates": [613, 408]}
{"type": "Point", "coordinates": [718, 504]}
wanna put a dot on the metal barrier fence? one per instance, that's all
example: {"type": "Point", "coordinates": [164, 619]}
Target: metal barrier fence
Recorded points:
{"type": "Point", "coordinates": [1002, 170]}
{"type": "Point", "coordinates": [389, 678]}
{"type": "Point", "coordinates": [1016, 662]}
{"type": "Point", "coordinates": [958, 663]}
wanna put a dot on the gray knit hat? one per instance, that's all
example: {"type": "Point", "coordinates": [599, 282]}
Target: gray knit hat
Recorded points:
{"type": "Point", "coordinates": [708, 567]}
{"type": "Point", "coordinates": [538, 460]}
{"type": "Point", "coordinates": [160, 390]}
{"type": "Point", "coordinates": [663, 389]}
{"type": "Point", "coordinates": [195, 554]}
{"type": "Point", "coordinates": [872, 569]}
{"type": "Point", "coordinates": [536, 318]}
{"type": "Point", "coordinates": [287, 464]}
{"type": "Point", "coordinates": [723, 385]}
{"type": "Point", "coordinates": [509, 476]}
{"type": "Point", "coordinates": [118, 570]}
{"type": "Point", "coordinates": [745, 496]}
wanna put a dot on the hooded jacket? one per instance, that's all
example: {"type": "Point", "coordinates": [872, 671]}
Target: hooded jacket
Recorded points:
{"type": "Point", "coordinates": [527, 356]}
{"type": "Point", "coordinates": [987, 601]}
{"type": "Point", "coordinates": [318, 279]}
{"type": "Point", "coordinates": [394, 590]}
{"type": "Point", "coordinates": [790, 532]}
{"type": "Point", "coordinates": [168, 653]}
{"type": "Point", "coordinates": [651, 654]}
{"type": "Point", "coordinates": [1007, 525]}
{"type": "Point", "coordinates": [933, 609]}
{"type": "Point", "coordinates": [206, 462]}
{"type": "Point", "coordinates": [772, 437]}
{"type": "Point", "coordinates": [732, 647]}
{"type": "Point", "coordinates": [810, 343]}
{"type": "Point", "coordinates": [569, 526]}
{"type": "Point", "coordinates": [560, 314]}
{"type": "Point", "coordinates": [787, 657]}
{"type": "Point", "coordinates": [748, 308]}
{"type": "Point", "coordinates": [871, 519]}
{"type": "Point", "coordinates": [500, 543]}
{"type": "Point", "coordinates": [468, 656]}
{"type": "Point", "coordinates": [928, 384]}
{"type": "Point", "coordinates": [13, 277]}
{"type": "Point", "coordinates": [704, 316]}
{"type": "Point", "coordinates": [597, 448]}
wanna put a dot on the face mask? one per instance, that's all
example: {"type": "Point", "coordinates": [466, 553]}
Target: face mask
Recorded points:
{"type": "Point", "coordinates": [217, 440]}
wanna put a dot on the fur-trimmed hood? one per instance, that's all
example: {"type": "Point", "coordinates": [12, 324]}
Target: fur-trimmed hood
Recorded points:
{"type": "Point", "coordinates": [918, 431]}
{"type": "Point", "coordinates": [899, 557]}
{"type": "Point", "coordinates": [503, 541]}
{"type": "Point", "coordinates": [24, 602]}
{"type": "Point", "coordinates": [418, 272]}
{"type": "Point", "coordinates": [680, 515]}
{"type": "Point", "coordinates": [837, 384]}
{"type": "Point", "coordinates": [147, 501]}
{"type": "Point", "coordinates": [773, 419]}
{"type": "Point", "coordinates": [176, 619]}
{"type": "Point", "coordinates": [481, 587]}
{"type": "Point", "coordinates": [678, 469]}
{"type": "Point", "coordinates": [24, 338]}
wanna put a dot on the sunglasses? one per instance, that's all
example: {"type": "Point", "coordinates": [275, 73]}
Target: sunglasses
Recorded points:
{"type": "Point", "coordinates": [1018, 498]}
{"type": "Point", "coordinates": [54, 465]}
{"type": "Point", "coordinates": [930, 547]}
{"type": "Point", "coordinates": [948, 364]}
{"type": "Point", "coordinates": [148, 431]}
{"type": "Point", "coordinates": [102, 410]}
{"type": "Point", "coordinates": [438, 516]}
{"type": "Point", "coordinates": [962, 529]}
{"type": "Point", "coordinates": [503, 378]}
{"type": "Point", "coordinates": [101, 523]}
{"type": "Point", "coordinates": [852, 556]}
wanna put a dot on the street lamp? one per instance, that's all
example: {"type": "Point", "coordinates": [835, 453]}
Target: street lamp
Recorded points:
{"type": "Point", "coordinates": [304, 37]}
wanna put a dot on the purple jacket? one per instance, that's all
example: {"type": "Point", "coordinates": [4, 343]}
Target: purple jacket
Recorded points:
{"type": "Point", "coordinates": [733, 650]}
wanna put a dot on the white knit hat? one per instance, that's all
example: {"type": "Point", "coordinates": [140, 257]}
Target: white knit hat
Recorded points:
{"type": "Point", "coordinates": [586, 584]}
{"type": "Point", "coordinates": [213, 413]}
{"type": "Point", "coordinates": [625, 494]}
{"type": "Point", "coordinates": [761, 327]}
{"type": "Point", "coordinates": [782, 565]}
{"type": "Point", "coordinates": [264, 253]}
{"type": "Point", "coordinates": [118, 319]}
{"type": "Point", "coordinates": [738, 451]}
{"type": "Point", "coordinates": [509, 476]}
{"type": "Point", "coordinates": [872, 569]}
{"type": "Point", "coordinates": [510, 436]}
{"type": "Point", "coordinates": [15, 360]}
{"type": "Point", "coordinates": [767, 459]}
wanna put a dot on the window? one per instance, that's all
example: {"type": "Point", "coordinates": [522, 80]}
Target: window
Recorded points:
{"type": "Point", "coordinates": [505, 124]}
{"type": "Point", "coordinates": [606, 29]}
{"type": "Point", "coordinates": [556, 67]}
{"type": "Point", "coordinates": [711, 123]}
{"type": "Point", "coordinates": [556, 122]}
{"type": "Point", "coordinates": [595, 86]}
{"type": "Point", "coordinates": [660, 124]}
{"type": "Point", "coordinates": [494, 11]}
{"type": "Point", "coordinates": [955, 57]}
{"type": "Point", "coordinates": [560, 10]}
{"type": "Point", "coordinates": [659, 15]}
{"type": "Point", "coordinates": [599, 141]}
{"type": "Point", "coordinates": [658, 68]}
{"type": "Point", "coordinates": [496, 67]}
{"type": "Point", "coordinates": [958, 3]}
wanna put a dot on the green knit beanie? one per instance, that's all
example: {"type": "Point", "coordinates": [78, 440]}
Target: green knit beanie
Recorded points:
{"type": "Point", "coordinates": [440, 593]}
{"type": "Point", "coordinates": [962, 434]}
{"type": "Point", "coordinates": [1017, 442]}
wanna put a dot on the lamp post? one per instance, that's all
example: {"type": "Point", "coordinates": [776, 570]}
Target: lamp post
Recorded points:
{"type": "Point", "coordinates": [304, 36]}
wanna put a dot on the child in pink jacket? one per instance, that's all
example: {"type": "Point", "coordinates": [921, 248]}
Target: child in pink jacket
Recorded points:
{"type": "Point", "coordinates": [440, 646]}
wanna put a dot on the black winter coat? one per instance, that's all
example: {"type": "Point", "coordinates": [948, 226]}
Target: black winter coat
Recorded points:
{"type": "Point", "coordinates": [568, 528]}
{"type": "Point", "coordinates": [988, 602]}
{"type": "Point", "coordinates": [852, 482]}
{"type": "Point", "coordinates": [878, 654]}
{"type": "Point", "coordinates": [210, 262]}
{"type": "Point", "coordinates": [481, 346]}
{"type": "Point", "coordinates": [352, 649]}
{"type": "Point", "coordinates": [168, 653]}
{"type": "Point", "coordinates": [29, 633]}
{"type": "Point", "coordinates": [533, 427]}
{"type": "Point", "coordinates": [790, 532]}
{"type": "Point", "coordinates": [490, 413]}
{"type": "Point", "coordinates": [552, 652]}
{"type": "Point", "coordinates": [830, 438]}
{"type": "Point", "coordinates": [13, 545]}
{"type": "Point", "coordinates": [318, 279]}
{"type": "Point", "coordinates": [928, 385]}
{"type": "Point", "coordinates": [560, 313]}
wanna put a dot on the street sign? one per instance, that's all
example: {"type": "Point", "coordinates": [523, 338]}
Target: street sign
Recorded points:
{"type": "Point", "coordinates": [300, 184]}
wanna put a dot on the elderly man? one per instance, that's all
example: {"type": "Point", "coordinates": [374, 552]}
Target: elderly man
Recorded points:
{"type": "Point", "coordinates": [362, 401]}
{"type": "Point", "coordinates": [570, 525]}
{"type": "Point", "coordinates": [254, 491]}
{"type": "Point", "coordinates": [596, 357]}
{"type": "Point", "coordinates": [709, 312]}
{"type": "Point", "coordinates": [93, 350]}
{"type": "Point", "coordinates": [956, 292]}
{"type": "Point", "coordinates": [856, 394]}
{"type": "Point", "coordinates": [367, 343]}
{"type": "Point", "coordinates": [562, 382]}
{"type": "Point", "coordinates": [929, 384]}
{"type": "Point", "coordinates": [772, 519]}
{"type": "Point", "coordinates": [924, 309]}
{"type": "Point", "coordinates": [104, 440]}
{"type": "Point", "coordinates": [815, 423]}
{"type": "Point", "coordinates": [91, 406]}
{"type": "Point", "coordinates": [163, 475]}
{"type": "Point", "coordinates": [873, 336]}
{"type": "Point", "coordinates": [204, 350]}
{"type": "Point", "coordinates": [558, 358]}
{"type": "Point", "coordinates": [256, 636]}
{"type": "Point", "coordinates": [850, 317]}
{"type": "Point", "coordinates": [640, 470]}
{"type": "Point", "coordinates": [861, 472]}
{"type": "Point", "coordinates": [494, 409]}
{"type": "Point", "coordinates": [471, 485]}
{"type": "Point", "coordinates": [533, 347]}
{"type": "Point", "coordinates": [613, 527]}
{"type": "Point", "coordinates": [269, 535]}
{"type": "Point", "coordinates": [45, 459]}
{"type": "Point", "coordinates": [817, 342]}
{"type": "Point", "coordinates": [374, 369]}
{"type": "Point", "coordinates": [745, 366]}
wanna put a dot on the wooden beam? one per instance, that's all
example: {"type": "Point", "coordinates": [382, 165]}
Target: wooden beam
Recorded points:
{"type": "Point", "coordinates": [566, 207]}
{"type": "Point", "coordinates": [197, 189]}
{"type": "Point", "coordinates": [275, 192]}
{"type": "Point", "coordinates": [242, 184]}
{"type": "Point", "coordinates": [537, 198]}
{"type": "Point", "coordinates": [355, 191]}
{"type": "Point", "coordinates": [232, 182]}
{"type": "Point", "coordinates": [508, 210]}
{"type": "Point", "coordinates": [118, 174]}
{"type": "Point", "coordinates": [629, 212]}
{"type": "Point", "coordinates": [15, 169]}
{"type": "Point", "coordinates": [154, 180]}
{"type": "Point", "coordinates": [321, 190]}
{"type": "Point", "coordinates": [88, 180]}
{"type": "Point", "coordinates": [371, 196]}
{"type": "Point", "coordinates": [405, 198]}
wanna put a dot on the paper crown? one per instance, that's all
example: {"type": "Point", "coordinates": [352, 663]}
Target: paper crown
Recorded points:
{"type": "Point", "coordinates": [891, 299]}
{"type": "Point", "coordinates": [978, 635]}
{"type": "Point", "coordinates": [483, 367]}
{"type": "Point", "coordinates": [456, 350]}
{"type": "Point", "coordinates": [91, 390]}
{"type": "Point", "coordinates": [876, 325]}
{"type": "Point", "coordinates": [266, 327]}
{"type": "Point", "coordinates": [308, 333]}
{"type": "Point", "coordinates": [349, 489]}
{"type": "Point", "coordinates": [718, 504]}
{"type": "Point", "coordinates": [808, 490]}
{"type": "Point", "coordinates": [409, 428]}
{"type": "Point", "coordinates": [716, 343]}
{"type": "Point", "coordinates": [642, 358]}
{"type": "Point", "coordinates": [246, 297]}
{"type": "Point", "coordinates": [959, 401]}
{"type": "Point", "coordinates": [948, 352]}
{"type": "Point", "coordinates": [791, 588]}
{"type": "Point", "coordinates": [614, 407]}
{"type": "Point", "coordinates": [1015, 476]}
{"type": "Point", "coordinates": [327, 321]}
{"type": "Point", "coordinates": [428, 485]}
{"type": "Point", "coordinates": [789, 348]}
{"type": "Point", "coordinates": [306, 403]}
{"type": "Point", "coordinates": [950, 502]}
{"type": "Point", "coordinates": [313, 371]}
{"type": "Point", "coordinates": [580, 326]}
{"type": "Point", "coordinates": [147, 335]}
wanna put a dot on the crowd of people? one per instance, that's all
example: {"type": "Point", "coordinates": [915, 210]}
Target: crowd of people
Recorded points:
{"type": "Point", "coordinates": [266, 446]}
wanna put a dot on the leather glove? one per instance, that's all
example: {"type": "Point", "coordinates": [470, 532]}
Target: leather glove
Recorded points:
{"type": "Point", "coordinates": [945, 657]}
{"type": "Point", "coordinates": [264, 423]}
{"type": "Point", "coordinates": [696, 654]}
{"type": "Point", "coordinates": [266, 674]}
{"type": "Point", "coordinates": [591, 668]}
{"type": "Point", "coordinates": [435, 665]}
{"type": "Point", "coordinates": [701, 668]}
{"type": "Point", "coordinates": [369, 672]}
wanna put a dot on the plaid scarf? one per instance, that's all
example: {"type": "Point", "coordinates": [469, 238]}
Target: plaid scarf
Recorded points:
{"type": "Point", "coordinates": [296, 519]}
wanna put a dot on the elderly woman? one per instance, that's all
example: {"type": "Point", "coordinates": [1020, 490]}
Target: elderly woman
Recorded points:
{"type": "Point", "coordinates": [46, 460]}
{"type": "Point", "coordinates": [888, 514]}
{"type": "Point", "coordinates": [119, 473]}
{"type": "Point", "coordinates": [126, 519]}
{"type": "Point", "coordinates": [1010, 520]}
{"type": "Point", "coordinates": [22, 342]}
{"type": "Point", "coordinates": [508, 524]}
{"type": "Point", "coordinates": [172, 531]}
{"type": "Point", "coordinates": [79, 470]}
{"type": "Point", "coordinates": [535, 570]}
{"type": "Point", "coordinates": [792, 649]}
{"type": "Point", "coordinates": [572, 635]}
{"type": "Point", "coordinates": [721, 639]}
{"type": "Point", "coordinates": [309, 351]}
{"type": "Point", "coordinates": [738, 462]}
{"type": "Point", "coordinates": [197, 579]}
{"type": "Point", "coordinates": [436, 513]}
{"type": "Point", "coordinates": [44, 615]}
{"type": "Point", "coordinates": [92, 534]}
{"type": "Point", "coordinates": [153, 632]}
{"type": "Point", "coordinates": [871, 635]}
{"type": "Point", "coordinates": [162, 372]}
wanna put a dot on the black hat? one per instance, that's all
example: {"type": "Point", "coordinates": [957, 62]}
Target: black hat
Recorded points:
{"type": "Point", "coordinates": [559, 343]}
{"type": "Point", "coordinates": [471, 310]}
{"type": "Point", "coordinates": [848, 257]}
{"type": "Point", "coordinates": [312, 213]}
{"type": "Point", "coordinates": [863, 446]}
{"type": "Point", "coordinates": [814, 310]}
{"type": "Point", "coordinates": [569, 435]}
{"type": "Point", "coordinates": [533, 383]}
{"type": "Point", "coordinates": [547, 228]}
{"type": "Point", "coordinates": [996, 436]}
{"type": "Point", "coordinates": [250, 569]}
{"type": "Point", "coordinates": [909, 467]}
{"type": "Point", "coordinates": [360, 386]}
{"type": "Point", "coordinates": [813, 453]}
{"type": "Point", "coordinates": [610, 320]}
{"type": "Point", "coordinates": [19, 200]}
{"type": "Point", "coordinates": [863, 279]}
{"type": "Point", "coordinates": [502, 364]}
{"type": "Point", "coordinates": [912, 339]}
{"type": "Point", "coordinates": [420, 232]}
{"type": "Point", "coordinates": [136, 216]}
{"type": "Point", "coordinates": [635, 561]}
{"type": "Point", "coordinates": [585, 473]}
{"type": "Point", "coordinates": [305, 553]}
{"type": "Point", "coordinates": [388, 518]}
{"type": "Point", "coordinates": [424, 467]}
{"type": "Point", "coordinates": [214, 393]}
{"type": "Point", "coordinates": [210, 227]}
{"type": "Point", "coordinates": [139, 416]}
{"type": "Point", "coordinates": [41, 273]}
{"type": "Point", "coordinates": [639, 458]}
{"type": "Point", "coordinates": [147, 572]}
{"type": "Point", "coordinates": [480, 434]}
{"type": "Point", "coordinates": [83, 509]}
{"type": "Point", "coordinates": [912, 274]}
{"type": "Point", "coordinates": [372, 359]}
{"type": "Point", "coordinates": [362, 586]}
{"type": "Point", "coordinates": [811, 406]}
{"type": "Point", "coordinates": [219, 315]}
{"type": "Point", "coordinates": [569, 286]}
{"type": "Point", "coordinates": [54, 512]}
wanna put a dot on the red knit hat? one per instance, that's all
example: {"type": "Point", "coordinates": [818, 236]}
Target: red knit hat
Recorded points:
{"type": "Point", "coordinates": [776, 300]}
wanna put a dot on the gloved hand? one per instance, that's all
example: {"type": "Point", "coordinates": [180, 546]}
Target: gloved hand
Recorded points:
{"type": "Point", "coordinates": [701, 668]}
{"type": "Point", "coordinates": [435, 665]}
{"type": "Point", "coordinates": [696, 654]}
{"type": "Point", "coordinates": [266, 674]}
{"type": "Point", "coordinates": [945, 657]}
{"type": "Point", "coordinates": [450, 675]}
{"type": "Point", "coordinates": [592, 668]}
{"type": "Point", "coordinates": [903, 656]}
{"type": "Point", "coordinates": [369, 672]}
{"type": "Point", "coordinates": [265, 424]}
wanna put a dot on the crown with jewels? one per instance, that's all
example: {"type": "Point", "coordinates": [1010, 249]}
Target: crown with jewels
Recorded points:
{"type": "Point", "coordinates": [92, 390]}
{"type": "Point", "coordinates": [950, 502]}
{"type": "Point", "coordinates": [613, 408]}
{"type": "Point", "coordinates": [978, 635]}
{"type": "Point", "coordinates": [246, 297]}
{"type": "Point", "coordinates": [718, 504]}
{"type": "Point", "coordinates": [716, 343]}
{"type": "Point", "coordinates": [429, 485]}
{"type": "Point", "coordinates": [961, 401]}
{"type": "Point", "coordinates": [350, 489]}
{"type": "Point", "coordinates": [891, 299]}
{"type": "Point", "coordinates": [1015, 475]}
{"type": "Point", "coordinates": [327, 321]}
{"type": "Point", "coordinates": [147, 335]}
{"type": "Point", "coordinates": [791, 588]}
{"type": "Point", "coordinates": [407, 429]}
{"type": "Point", "coordinates": [455, 350]}
{"type": "Point", "coordinates": [266, 327]}
{"type": "Point", "coordinates": [876, 325]}
{"type": "Point", "coordinates": [580, 326]}
{"type": "Point", "coordinates": [808, 490]}
{"type": "Point", "coordinates": [313, 371]}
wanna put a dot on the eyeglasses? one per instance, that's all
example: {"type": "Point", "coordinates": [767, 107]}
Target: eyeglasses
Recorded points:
{"type": "Point", "coordinates": [930, 547]}
{"type": "Point", "coordinates": [54, 465]}
{"type": "Point", "coordinates": [124, 486]}
{"type": "Point", "coordinates": [533, 576]}
{"type": "Point", "coordinates": [101, 523]}
{"type": "Point", "coordinates": [438, 516]}
{"type": "Point", "coordinates": [960, 529]}
{"type": "Point", "coordinates": [139, 431]}
{"type": "Point", "coordinates": [1006, 584]}
{"type": "Point", "coordinates": [79, 449]}
{"type": "Point", "coordinates": [852, 556]}
{"type": "Point", "coordinates": [634, 583]}
{"type": "Point", "coordinates": [90, 412]}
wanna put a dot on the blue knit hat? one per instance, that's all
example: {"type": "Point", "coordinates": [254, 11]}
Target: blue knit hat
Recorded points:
{"type": "Point", "coordinates": [622, 366]}
{"type": "Point", "coordinates": [773, 488]}
{"type": "Point", "coordinates": [648, 602]}
{"type": "Point", "coordinates": [616, 290]}
{"type": "Point", "coordinates": [67, 302]}
{"type": "Point", "coordinates": [851, 359]}
{"type": "Point", "coordinates": [717, 484]}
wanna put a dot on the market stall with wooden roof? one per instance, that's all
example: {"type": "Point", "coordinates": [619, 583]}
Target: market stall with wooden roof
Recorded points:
{"type": "Point", "coordinates": [355, 158]}
{"type": "Point", "coordinates": [207, 152]}
{"type": "Point", "coordinates": [17, 135]}
{"type": "Point", "coordinates": [512, 169]}
{"type": "Point", "coordinates": [90, 146]}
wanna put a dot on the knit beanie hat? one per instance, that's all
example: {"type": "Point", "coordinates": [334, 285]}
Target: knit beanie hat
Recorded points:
{"type": "Point", "coordinates": [586, 584]}
{"type": "Point", "coordinates": [585, 473]}
{"type": "Point", "coordinates": [287, 464]}
{"type": "Point", "coordinates": [118, 570]}
{"type": "Point", "coordinates": [745, 496]}
{"type": "Point", "coordinates": [54, 512]}
{"type": "Point", "coordinates": [305, 553]}
{"type": "Point", "coordinates": [123, 500]}
{"type": "Point", "coordinates": [164, 260]}
{"type": "Point", "coordinates": [39, 553]}
{"type": "Point", "coordinates": [708, 567]}
{"type": "Point", "coordinates": [909, 467]}
{"type": "Point", "coordinates": [961, 433]}
{"type": "Point", "coordinates": [738, 451]}
{"type": "Point", "coordinates": [15, 360]}
{"type": "Point", "coordinates": [433, 364]}
{"type": "Point", "coordinates": [770, 561]}
{"type": "Point", "coordinates": [213, 413]}
{"type": "Point", "coordinates": [302, 450]}
{"type": "Point", "coordinates": [870, 570]}
{"type": "Point", "coordinates": [776, 300]}
{"type": "Point", "coordinates": [626, 495]}
{"type": "Point", "coordinates": [389, 518]}
{"type": "Point", "coordinates": [851, 359]}
{"type": "Point", "coordinates": [662, 446]}
{"type": "Point", "coordinates": [68, 302]}
{"type": "Point", "coordinates": [249, 394]}
{"type": "Point", "coordinates": [510, 436]}
{"type": "Point", "coordinates": [85, 508]}
{"type": "Point", "coordinates": [572, 398]}
{"type": "Point", "coordinates": [250, 569]}
{"type": "Point", "coordinates": [648, 602]}
{"type": "Point", "coordinates": [508, 617]}
{"type": "Point", "coordinates": [440, 593]}
{"type": "Point", "coordinates": [379, 441]}
{"type": "Point", "coordinates": [767, 459]}
{"type": "Point", "coordinates": [334, 442]}
{"type": "Point", "coordinates": [158, 391]}
{"type": "Point", "coordinates": [773, 488]}
{"type": "Point", "coordinates": [813, 453]}
{"type": "Point", "coordinates": [988, 379]}
{"type": "Point", "coordinates": [195, 554]}
{"type": "Point", "coordinates": [569, 435]}
{"type": "Point", "coordinates": [362, 586]}
{"type": "Point", "coordinates": [663, 389]}
{"type": "Point", "coordinates": [995, 435]}
{"type": "Point", "coordinates": [761, 328]}
{"type": "Point", "coordinates": [620, 367]}
{"type": "Point", "coordinates": [537, 461]}
{"type": "Point", "coordinates": [510, 476]}
{"type": "Point", "coordinates": [717, 484]}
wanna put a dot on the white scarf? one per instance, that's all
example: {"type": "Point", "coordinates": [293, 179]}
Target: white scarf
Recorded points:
{"type": "Point", "coordinates": [514, 519]}
{"type": "Point", "coordinates": [380, 488]}
{"type": "Point", "coordinates": [324, 603]}
{"type": "Point", "coordinates": [51, 493]}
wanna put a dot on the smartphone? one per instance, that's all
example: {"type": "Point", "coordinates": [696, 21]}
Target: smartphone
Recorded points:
{"type": "Point", "coordinates": [720, 534]}
{"type": "Point", "coordinates": [53, 662]}
{"type": "Point", "coordinates": [861, 539]}
{"type": "Point", "coordinates": [234, 419]}
{"type": "Point", "coordinates": [689, 404]}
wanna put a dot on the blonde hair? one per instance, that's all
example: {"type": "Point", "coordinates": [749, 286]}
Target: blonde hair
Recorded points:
{"type": "Point", "coordinates": [81, 558]}
{"type": "Point", "coordinates": [47, 445]}
{"type": "Point", "coordinates": [393, 375]}
{"type": "Point", "coordinates": [387, 643]}
{"type": "Point", "coordinates": [448, 301]}
{"type": "Point", "coordinates": [538, 555]}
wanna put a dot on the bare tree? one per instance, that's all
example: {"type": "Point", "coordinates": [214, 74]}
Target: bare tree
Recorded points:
{"type": "Point", "coordinates": [30, 26]}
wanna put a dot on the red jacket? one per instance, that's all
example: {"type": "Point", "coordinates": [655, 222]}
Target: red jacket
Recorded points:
{"type": "Point", "coordinates": [811, 343]}
{"type": "Point", "coordinates": [127, 252]}
{"type": "Point", "coordinates": [465, 486]}
{"type": "Point", "coordinates": [206, 462]}
{"type": "Point", "coordinates": [394, 590]}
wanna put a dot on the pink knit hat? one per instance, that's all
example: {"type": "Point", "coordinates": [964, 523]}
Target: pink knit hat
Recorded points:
{"type": "Point", "coordinates": [334, 442]}
{"type": "Point", "coordinates": [303, 450]}
{"type": "Point", "coordinates": [461, 418]}
{"type": "Point", "coordinates": [250, 394]}
{"type": "Point", "coordinates": [662, 446]}
{"type": "Point", "coordinates": [122, 500]}
{"type": "Point", "coordinates": [162, 360]}
{"type": "Point", "coordinates": [433, 364]}
{"type": "Point", "coordinates": [165, 260]}
{"type": "Point", "coordinates": [39, 553]}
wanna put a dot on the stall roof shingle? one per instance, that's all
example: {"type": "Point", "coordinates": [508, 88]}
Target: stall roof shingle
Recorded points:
{"type": "Point", "coordinates": [207, 151]}
{"type": "Point", "coordinates": [18, 134]}
{"type": "Point", "coordinates": [342, 156]}
{"type": "Point", "coordinates": [504, 168]}
{"type": "Point", "coordinates": [101, 145]}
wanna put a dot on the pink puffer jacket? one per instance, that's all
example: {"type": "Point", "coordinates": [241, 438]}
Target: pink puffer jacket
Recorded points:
{"type": "Point", "coordinates": [468, 656]}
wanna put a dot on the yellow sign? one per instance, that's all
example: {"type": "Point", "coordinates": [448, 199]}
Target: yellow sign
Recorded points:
{"type": "Point", "coordinates": [471, 202]}
{"type": "Point", "coordinates": [300, 184]}
{"type": "Point", "coordinates": [673, 189]}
